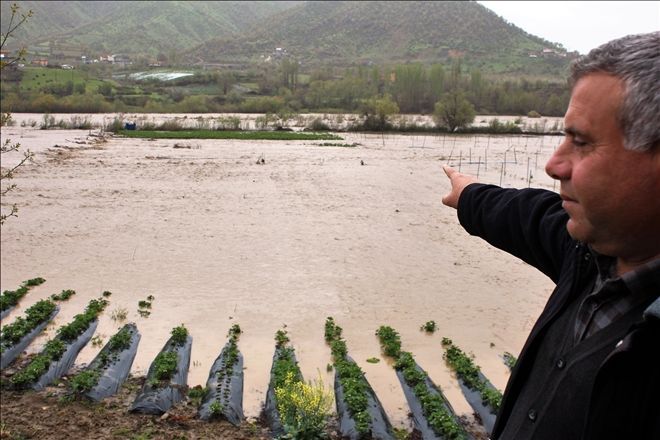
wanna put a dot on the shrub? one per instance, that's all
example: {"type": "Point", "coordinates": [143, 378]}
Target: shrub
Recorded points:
{"type": "Point", "coordinates": [263, 122]}
{"type": "Point", "coordinates": [303, 407]}
{"type": "Point", "coordinates": [495, 126]}
{"type": "Point", "coordinates": [229, 123]}
{"type": "Point", "coordinates": [533, 114]}
{"type": "Point", "coordinates": [116, 125]}
{"type": "Point", "coordinates": [318, 124]}
{"type": "Point", "coordinates": [179, 335]}
{"type": "Point", "coordinates": [429, 327]}
{"type": "Point", "coordinates": [215, 408]}
{"type": "Point", "coordinates": [84, 381]}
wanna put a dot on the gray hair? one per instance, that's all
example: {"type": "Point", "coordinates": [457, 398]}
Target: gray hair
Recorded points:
{"type": "Point", "coordinates": [634, 59]}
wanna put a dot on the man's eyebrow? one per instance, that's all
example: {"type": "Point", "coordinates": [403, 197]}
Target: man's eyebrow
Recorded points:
{"type": "Point", "coordinates": [574, 132]}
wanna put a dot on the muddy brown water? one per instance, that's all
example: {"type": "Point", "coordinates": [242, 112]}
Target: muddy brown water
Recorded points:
{"type": "Point", "coordinates": [218, 239]}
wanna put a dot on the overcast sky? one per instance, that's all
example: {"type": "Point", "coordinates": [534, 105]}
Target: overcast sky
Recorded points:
{"type": "Point", "coordinates": [580, 25]}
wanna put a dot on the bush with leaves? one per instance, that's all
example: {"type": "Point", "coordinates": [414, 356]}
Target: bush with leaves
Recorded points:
{"type": "Point", "coordinates": [453, 111]}
{"type": "Point", "coordinates": [304, 408]}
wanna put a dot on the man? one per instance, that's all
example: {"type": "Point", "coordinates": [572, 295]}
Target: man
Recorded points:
{"type": "Point", "coordinates": [590, 368]}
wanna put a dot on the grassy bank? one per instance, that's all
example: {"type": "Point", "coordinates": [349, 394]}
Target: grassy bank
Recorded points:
{"type": "Point", "coordinates": [221, 134]}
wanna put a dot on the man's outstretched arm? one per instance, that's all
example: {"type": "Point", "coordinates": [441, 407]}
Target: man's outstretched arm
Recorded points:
{"type": "Point", "coordinates": [529, 223]}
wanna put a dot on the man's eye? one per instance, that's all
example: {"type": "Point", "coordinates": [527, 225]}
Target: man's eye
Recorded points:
{"type": "Point", "coordinates": [579, 143]}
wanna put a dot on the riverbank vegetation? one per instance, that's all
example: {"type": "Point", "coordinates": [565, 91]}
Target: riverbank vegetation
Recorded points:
{"type": "Point", "coordinates": [278, 88]}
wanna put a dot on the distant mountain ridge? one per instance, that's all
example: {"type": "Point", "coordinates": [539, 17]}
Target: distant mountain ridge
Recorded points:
{"type": "Point", "coordinates": [381, 30]}
{"type": "Point", "coordinates": [143, 27]}
{"type": "Point", "coordinates": [314, 32]}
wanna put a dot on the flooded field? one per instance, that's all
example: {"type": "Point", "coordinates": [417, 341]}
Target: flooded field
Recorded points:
{"type": "Point", "coordinates": [355, 233]}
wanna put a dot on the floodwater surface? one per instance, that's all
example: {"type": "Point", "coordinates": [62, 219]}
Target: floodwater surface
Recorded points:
{"type": "Point", "coordinates": [356, 233]}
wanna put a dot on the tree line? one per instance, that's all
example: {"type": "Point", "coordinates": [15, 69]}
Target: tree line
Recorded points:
{"type": "Point", "coordinates": [276, 87]}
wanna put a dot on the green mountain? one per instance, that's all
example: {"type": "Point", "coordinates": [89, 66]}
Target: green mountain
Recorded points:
{"type": "Point", "coordinates": [145, 27]}
{"type": "Point", "coordinates": [313, 32]}
{"type": "Point", "coordinates": [338, 32]}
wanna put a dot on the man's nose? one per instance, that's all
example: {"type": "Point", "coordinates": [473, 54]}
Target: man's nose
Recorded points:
{"type": "Point", "coordinates": [559, 165]}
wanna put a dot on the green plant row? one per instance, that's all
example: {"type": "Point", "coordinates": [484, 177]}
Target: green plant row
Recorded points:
{"type": "Point", "coordinates": [435, 410]}
{"type": "Point", "coordinates": [222, 134]}
{"type": "Point", "coordinates": [63, 296]}
{"type": "Point", "coordinates": [84, 381]}
{"type": "Point", "coordinates": [285, 361]}
{"type": "Point", "coordinates": [10, 298]}
{"type": "Point", "coordinates": [230, 356]}
{"type": "Point", "coordinates": [351, 378]}
{"type": "Point", "coordinates": [465, 368]}
{"type": "Point", "coordinates": [165, 365]}
{"type": "Point", "coordinates": [34, 316]}
{"type": "Point", "coordinates": [54, 348]}
{"type": "Point", "coordinates": [81, 322]}
{"type": "Point", "coordinates": [302, 408]}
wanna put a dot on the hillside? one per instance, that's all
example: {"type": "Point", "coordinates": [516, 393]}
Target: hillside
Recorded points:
{"type": "Point", "coordinates": [354, 32]}
{"type": "Point", "coordinates": [147, 27]}
{"type": "Point", "coordinates": [315, 33]}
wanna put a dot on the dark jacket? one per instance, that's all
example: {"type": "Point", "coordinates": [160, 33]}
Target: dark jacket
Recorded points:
{"type": "Point", "coordinates": [605, 388]}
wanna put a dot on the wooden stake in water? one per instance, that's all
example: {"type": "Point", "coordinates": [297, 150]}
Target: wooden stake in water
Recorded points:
{"type": "Point", "coordinates": [501, 173]}
{"type": "Point", "coordinates": [529, 176]}
{"type": "Point", "coordinates": [460, 160]}
{"type": "Point", "coordinates": [536, 160]}
{"type": "Point", "coordinates": [478, 166]}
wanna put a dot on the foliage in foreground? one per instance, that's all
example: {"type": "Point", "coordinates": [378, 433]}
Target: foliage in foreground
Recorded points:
{"type": "Point", "coordinates": [303, 407]}
{"type": "Point", "coordinates": [10, 298]}
{"type": "Point", "coordinates": [34, 316]}
{"type": "Point", "coordinates": [435, 410]}
{"type": "Point", "coordinates": [350, 376]}
{"type": "Point", "coordinates": [465, 368]}
{"type": "Point", "coordinates": [55, 348]}
{"type": "Point", "coordinates": [84, 381]}
{"type": "Point", "coordinates": [230, 354]}
{"type": "Point", "coordinates": [166, 362]}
